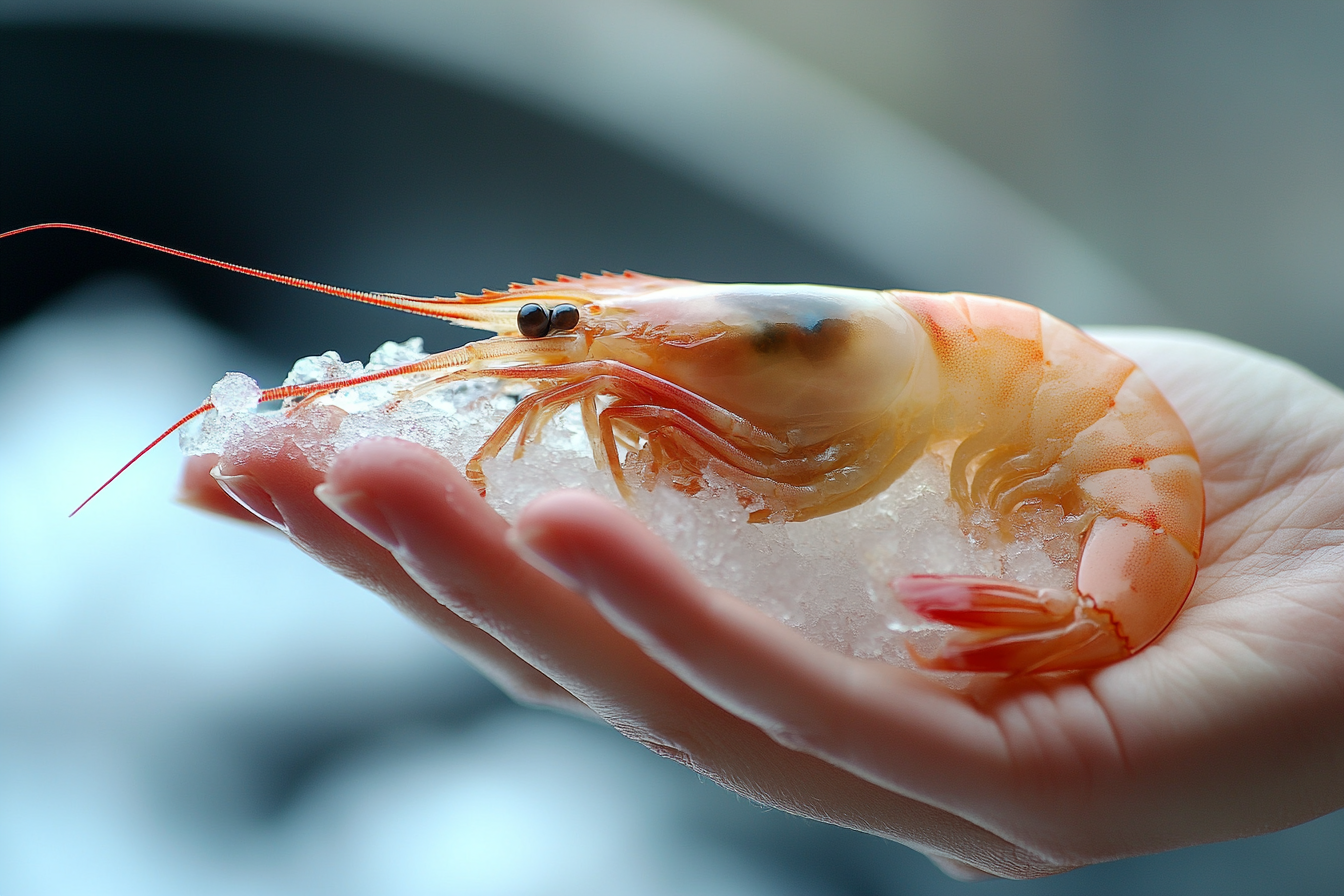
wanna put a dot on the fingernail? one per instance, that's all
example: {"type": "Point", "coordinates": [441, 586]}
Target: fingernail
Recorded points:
{"type": "Point", "coordinates": [957, 870]}
{"type": "Point", "coordinates": [359, 510]}
{"type": "Point", "coordinates": [245, 490]}
{"type": "Point", "coordinates": [525, 542]}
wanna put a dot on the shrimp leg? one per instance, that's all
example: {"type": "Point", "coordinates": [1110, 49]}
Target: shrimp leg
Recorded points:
{"type": "Point", "coordinates": [637, 395]}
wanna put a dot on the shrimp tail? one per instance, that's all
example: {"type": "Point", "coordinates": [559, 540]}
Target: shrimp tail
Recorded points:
{"type": "Point", "coordinates": [1006, 627]}
{"type": "Point", "coordinates": [1132, 580]}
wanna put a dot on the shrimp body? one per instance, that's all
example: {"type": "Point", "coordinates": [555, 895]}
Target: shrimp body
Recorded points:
{"type": "Point", "coordinates": [812, 399]}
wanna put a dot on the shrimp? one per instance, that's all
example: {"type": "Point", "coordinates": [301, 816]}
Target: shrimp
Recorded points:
{"type": "Point", "coordinates": [812, 399]}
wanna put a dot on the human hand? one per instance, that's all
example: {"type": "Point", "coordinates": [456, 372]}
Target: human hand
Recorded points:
{"type": "Point", "coordinates": [1229, 725]}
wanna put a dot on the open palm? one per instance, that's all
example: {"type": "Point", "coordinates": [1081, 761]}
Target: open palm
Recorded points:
{"type": "Point", "coordinates": [1231, 724]}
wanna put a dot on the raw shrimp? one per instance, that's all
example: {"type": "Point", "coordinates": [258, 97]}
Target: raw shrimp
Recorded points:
{"type": "Point", "coordinates": [812, 399]}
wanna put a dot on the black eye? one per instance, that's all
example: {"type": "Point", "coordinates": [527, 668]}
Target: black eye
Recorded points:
{"type": "Point", "coordinates": [564, 317]}
{"type": "Point", "coordinates": [533, 321]}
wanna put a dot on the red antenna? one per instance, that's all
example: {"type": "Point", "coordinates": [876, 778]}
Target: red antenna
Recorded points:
{"type": "Point", "coordinates": [142, 452]}
{"type": "Point", "coordinates": [386, 300]}
{"type": "Point", "coordinates": [278, 393]}
{"type": "Point", "coordinates": [383, 299]}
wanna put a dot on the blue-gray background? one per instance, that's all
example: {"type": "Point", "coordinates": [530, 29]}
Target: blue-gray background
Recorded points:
{"type": "Point", "coordinates": [189, 706]}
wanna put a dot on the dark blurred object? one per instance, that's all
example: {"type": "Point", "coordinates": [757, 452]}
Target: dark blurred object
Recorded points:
{"type": "Point", "coordinates": [335, 168]}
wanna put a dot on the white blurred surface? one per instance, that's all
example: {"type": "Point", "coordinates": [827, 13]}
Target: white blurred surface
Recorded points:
{"type": "Point", "coordinates": [137, 596]}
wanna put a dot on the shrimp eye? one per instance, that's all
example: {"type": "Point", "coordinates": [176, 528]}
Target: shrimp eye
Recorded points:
{"type": "Point", "coordinates": [564, 317]}
{"type": "Point", "coordinates": [533, 321]}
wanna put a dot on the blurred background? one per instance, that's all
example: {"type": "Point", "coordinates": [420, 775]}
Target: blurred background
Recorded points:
{"type": "Point", "coordinates": [187, 705]}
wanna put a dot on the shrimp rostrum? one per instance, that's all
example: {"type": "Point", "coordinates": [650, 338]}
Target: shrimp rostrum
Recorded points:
{"type": "Point", "coordinates": [812, 399]}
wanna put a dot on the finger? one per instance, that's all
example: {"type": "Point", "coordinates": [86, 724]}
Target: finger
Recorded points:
{"type": "Point", "coordinates": [414, 502]}
{"type": "Point", "coordinates": [276, 481]}
{"type": "Point", "coordinates": [885, 723]}
{"type": "Point", "coordinates": [200, 490]}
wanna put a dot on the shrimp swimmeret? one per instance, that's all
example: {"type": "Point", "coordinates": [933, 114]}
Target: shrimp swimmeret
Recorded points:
{"type": "Point", "coordinates": [813, 399]}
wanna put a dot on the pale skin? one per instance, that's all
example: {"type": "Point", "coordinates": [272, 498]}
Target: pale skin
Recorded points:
{"type": "Point", "coordinates": [1230, 724]}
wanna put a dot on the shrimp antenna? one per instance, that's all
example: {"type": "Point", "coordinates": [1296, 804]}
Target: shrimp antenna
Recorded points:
{"type": "Point", "coordinates": [142, 452]}
{"type": "Point", "coordinates": [382, 299]}
{"type": "Point", "coordinates": [280, 393]}
{"type": "Point", "coordinates": [412, 304]}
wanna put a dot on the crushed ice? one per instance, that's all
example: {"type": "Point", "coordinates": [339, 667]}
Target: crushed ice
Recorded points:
{"type": "Point", "coordinates": [236, 393]}
{"type": "Point", "coordinates": [828, 577]}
